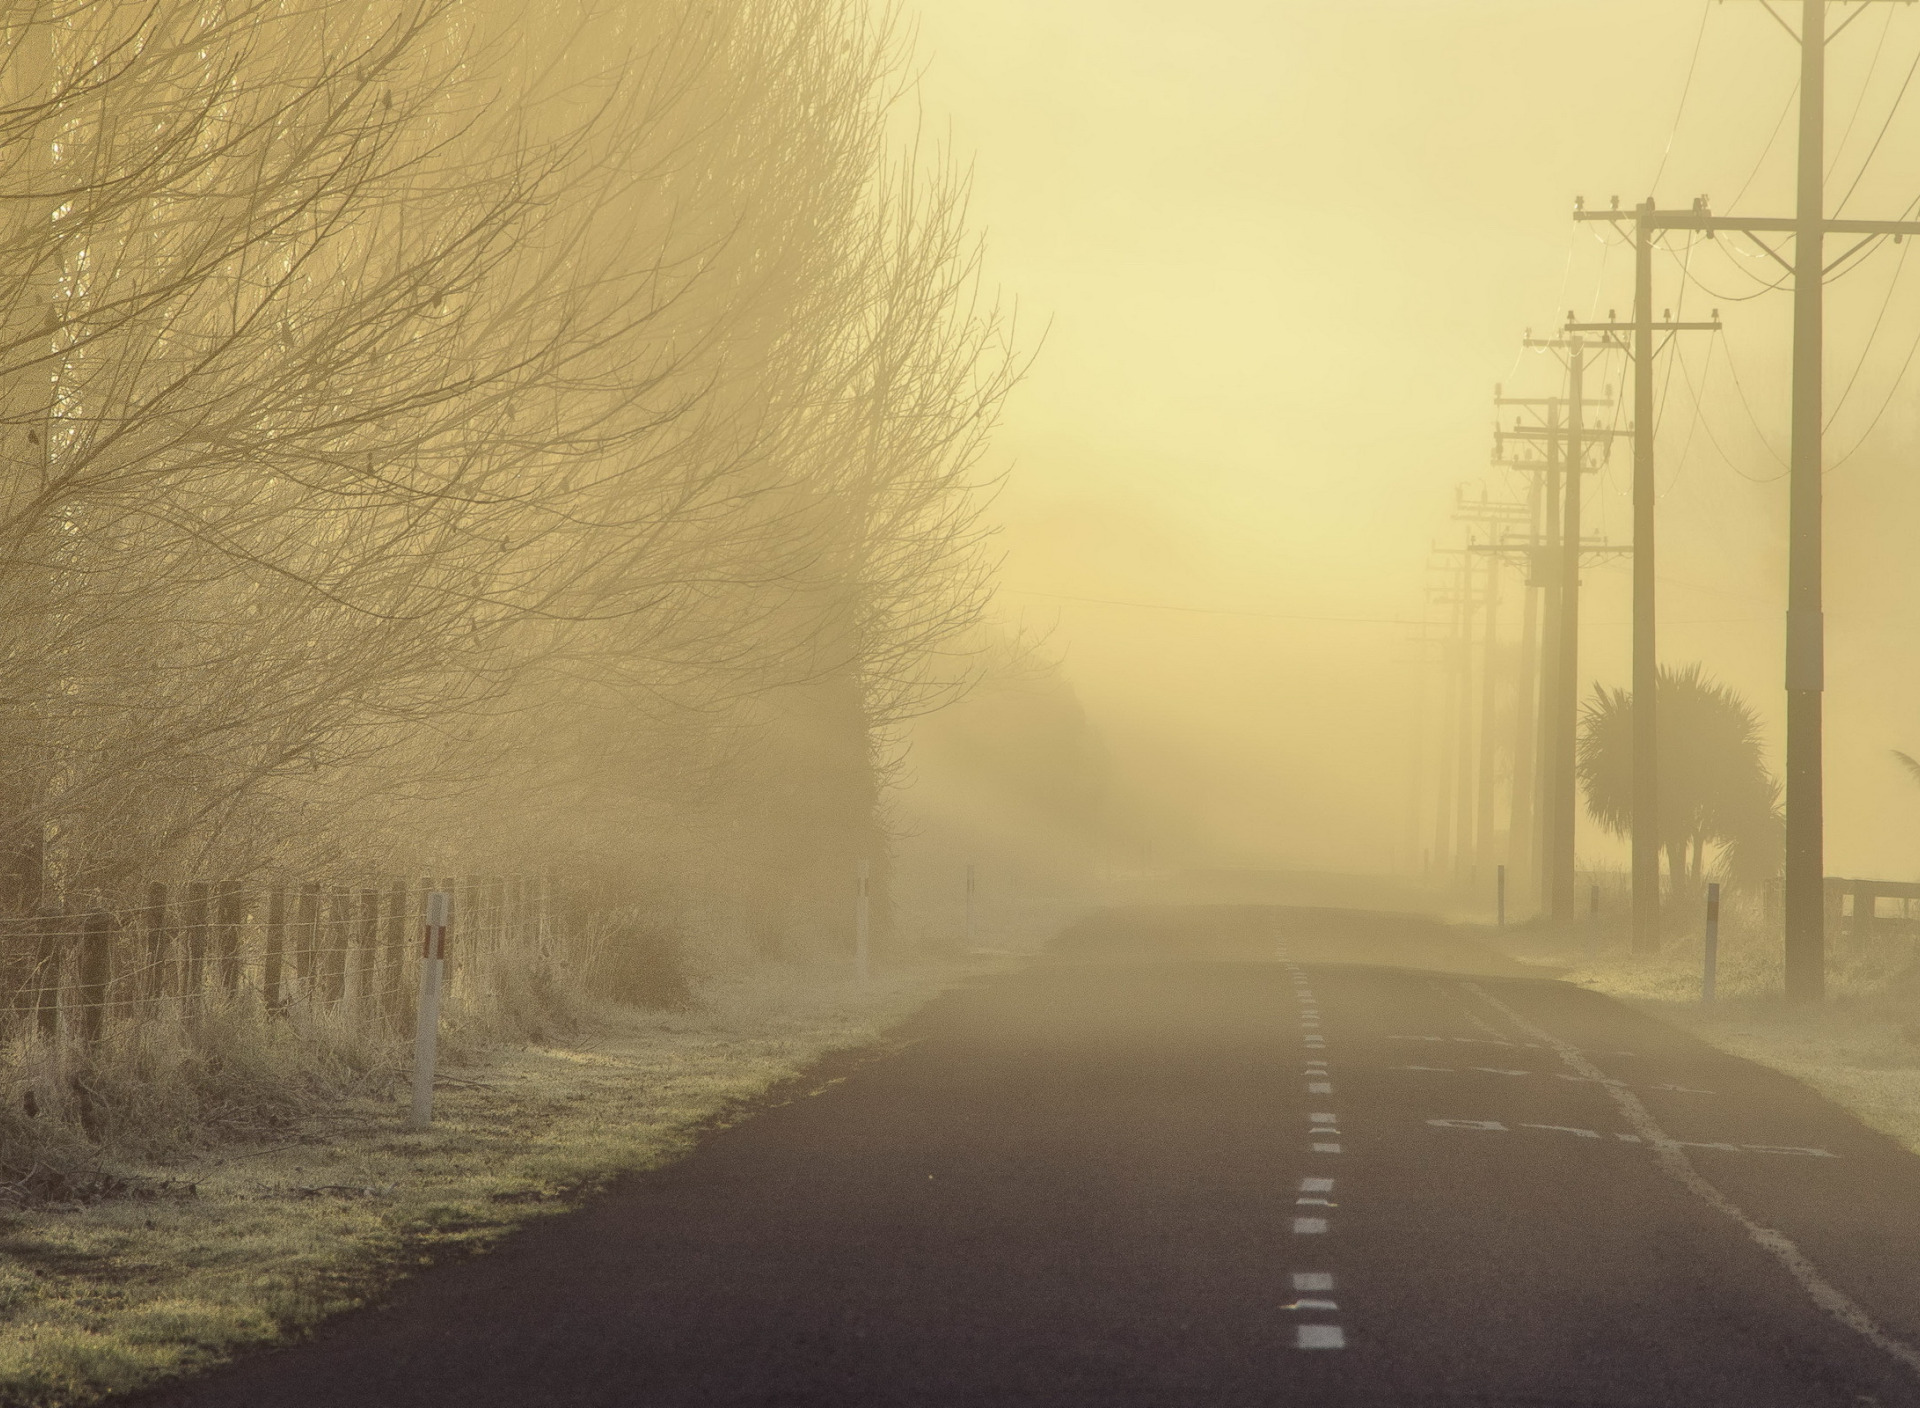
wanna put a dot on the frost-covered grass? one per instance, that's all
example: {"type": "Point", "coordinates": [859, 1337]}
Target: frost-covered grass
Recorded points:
{"type": "Point", "coordinates": [239, 1244]}
{"type": "Point", "coordinates": [1861, 1048]}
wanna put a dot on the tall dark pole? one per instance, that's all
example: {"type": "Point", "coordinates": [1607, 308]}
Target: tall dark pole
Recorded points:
{"type": "Point", "coordinates": [1567, 669]}
{"type": "Point", "coordinates": [1463, 857]}
{"type": "Point", "coordinates": [1646, 757]}
{"type": "Point", "coordinates": [1489, 719]}
{"type": "Point", "coordinates": [1805, 938]}
{"type": "Point", "coordinates": [1522, 849]}
{"type": "Point", "coordinates": [1545, 815]}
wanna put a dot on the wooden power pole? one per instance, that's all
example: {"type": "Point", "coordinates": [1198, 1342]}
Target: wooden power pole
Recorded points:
{"type": "Point", "coordinates": [1805, 937]}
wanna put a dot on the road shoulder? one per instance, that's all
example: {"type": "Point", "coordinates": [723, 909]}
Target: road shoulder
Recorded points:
{"type": "Point", "coordinates": [196, 1259]}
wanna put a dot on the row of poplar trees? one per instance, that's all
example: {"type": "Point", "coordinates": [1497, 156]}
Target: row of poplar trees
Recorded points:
{"type": "Point", "coordinates": [490, 436]}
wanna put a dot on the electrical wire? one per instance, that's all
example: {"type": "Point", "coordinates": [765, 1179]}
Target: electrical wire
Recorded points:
{"type": "Point", "coordinates": [1767, 150]}
{"type": "Point", "coordinates": [1891, 112]}
{"type": "Point", "coordinates": [1859, 102]}
{"type": "Point", "coordinates": [1867, 347]}
{"type": "Point", "coordinates": [1733, 370]}
{"type": "Point", "coordinates": [1713, 439]}
{"type": "Point", "coordinates": [1892, 391]}
{"type": "Point", "coordinates": [1215, 610]}
{"type": "Point", "coordinates": [1685, 88]}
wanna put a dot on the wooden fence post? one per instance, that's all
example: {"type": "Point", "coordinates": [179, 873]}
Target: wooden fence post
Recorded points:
{"type": "Point", "coordinates": [307, 938]}
{"type": "Point", "coordinates": [276, 947]}
{"type": "Point", "coordinates": [198, 921]}
{"type": "Point", "coordinates": [159, 943]}
{"type": "Point", "coordinates": [333, 967]}
{"type": "Point", "coordinates": [366, 961]}
{"type": "Point", "coordinates": [231, 913]}
{"type": "Point", "coordinates": [392, 971]}
{"type": "Point", "coordinates": [96, 971]}
{"type": "Point", "coordinates": [49, 930]}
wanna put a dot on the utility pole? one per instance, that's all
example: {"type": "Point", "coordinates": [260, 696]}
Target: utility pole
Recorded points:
{"type": "Point", "coordinates": [1463, 738]}
{"type": "Point", "coordinates": [1532, 804]}
{"type": "Point", "coordinates": [1443, 790]}
{"type": "Point", "coordinates": [1646, 661]}
{"type": "Point", "coordinates": [1560, 713]}
{"type": "Point", "coordinates": [1488, 513]}
{"type": "Point", "coordinates": [1805, 938]}
{"type": "Point", "coordinates": [1454, 830]}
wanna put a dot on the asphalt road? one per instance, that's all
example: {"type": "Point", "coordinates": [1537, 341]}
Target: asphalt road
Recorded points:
{"type": "Point", "coordinates": [1323, 1160]}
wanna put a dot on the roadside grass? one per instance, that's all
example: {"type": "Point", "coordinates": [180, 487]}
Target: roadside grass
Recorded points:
{"type": "Point", "coordinates": [1860, 1049]}
{"type": "Point", "coordinates": [199, 1255]}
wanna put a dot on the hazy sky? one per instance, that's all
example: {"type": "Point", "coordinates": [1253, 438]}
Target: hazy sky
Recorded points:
{"type": "Point", "coordinates": [1282, 252]}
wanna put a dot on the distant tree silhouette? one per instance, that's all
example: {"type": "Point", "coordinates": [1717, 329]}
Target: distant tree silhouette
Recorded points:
{"type": "Point", "coordinates": [1714, 784]}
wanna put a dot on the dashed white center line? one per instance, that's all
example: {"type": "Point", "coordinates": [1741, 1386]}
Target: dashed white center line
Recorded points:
{"type": "Point", "coordinates": [1314, 1192]}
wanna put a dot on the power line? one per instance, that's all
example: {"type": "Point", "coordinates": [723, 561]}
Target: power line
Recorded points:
{"type": "Point", "coordinates": [1892, 391]}
{"type": "Point", "coordinates": [1867, 347]}
{"type": "Point", "coordinates": [1767, 150]}
{"type": "Point", "coordinates": [1859, 101]}
{"type": "Point", "coordinates": [1891, 112]}
{"type": "Point", "coordinates": [1217, 610]}
{"type": "Point", "coordinates": [1734, 371]}
{"type": "Point", "coordinates": [1685, 88]}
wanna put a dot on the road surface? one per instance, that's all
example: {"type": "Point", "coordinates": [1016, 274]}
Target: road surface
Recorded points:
{"type": "Point", "coordinates": [1296, 1159]}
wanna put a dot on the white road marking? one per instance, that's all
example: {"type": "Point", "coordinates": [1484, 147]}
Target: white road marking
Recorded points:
{"type": "Point", "coordinates": [1493, 1125]}
{"type": "Point", "coordinates": [1309, 1226]}
{"type": "Point", "coordinates": [1319, 1087]}
{"type": "Point", "coordinates": [1306, 1303]}
{"type": "Point", "coordinates": [1324, 1119]}
{"type": "Point", "coordinates": [1313, 1280]}
{"type": "Point", "coordinates": [1565, 1129]}
{"type": "Point", "coordinates": [1675, 1163]}
{"type": "Point", "coordinates": [1315, 1203]}
{"type": "Point", "coordinates": [1316, 1185]}
{"type": "Point", "coordinates": [1326, 1148]}
{"type": "Point", "coordinates": [1319, 1337]}
{"type": "Point", "coordinates": [1790, 1149]}
{"type": "Point", "coordinates": [1505, 1071]}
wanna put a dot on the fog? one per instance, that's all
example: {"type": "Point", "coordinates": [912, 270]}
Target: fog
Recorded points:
{"type": "Point", "coordinates": [1282, 255]}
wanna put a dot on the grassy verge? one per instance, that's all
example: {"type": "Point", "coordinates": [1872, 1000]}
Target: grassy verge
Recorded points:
{"type": "Point", "coordinates": [1860, 1049]}
{"type": "Point", "coordinates": [197, 1257]}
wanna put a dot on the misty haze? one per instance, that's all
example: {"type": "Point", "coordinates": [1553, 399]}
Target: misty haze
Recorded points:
{"type": "Point", "coordinates": [815, 703]}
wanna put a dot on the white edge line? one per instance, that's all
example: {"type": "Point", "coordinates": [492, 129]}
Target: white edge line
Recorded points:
{"type": "Point", "coordinates": [1823, 1292]}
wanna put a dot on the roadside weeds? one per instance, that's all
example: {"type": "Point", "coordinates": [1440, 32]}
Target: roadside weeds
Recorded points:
{"type": "Point", "coordinates": [183, 1263]}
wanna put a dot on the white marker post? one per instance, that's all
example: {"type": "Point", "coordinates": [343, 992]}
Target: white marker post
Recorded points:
{"type": "Point", "coordinates": [861, 957]}
{"type": "Point", "coordinates": [1710, 956]}
{"type": "Point", "coordinates": [970, 885]}
{"type": "Point", "coordinates": [433, 964]}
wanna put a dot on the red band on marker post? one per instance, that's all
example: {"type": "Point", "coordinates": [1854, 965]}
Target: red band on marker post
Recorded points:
{"type": "Point", "coordinates": [433, 935]}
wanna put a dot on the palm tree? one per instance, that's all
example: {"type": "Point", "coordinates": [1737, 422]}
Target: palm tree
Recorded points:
{"type": "Point", "coordinates": [1714, 784]}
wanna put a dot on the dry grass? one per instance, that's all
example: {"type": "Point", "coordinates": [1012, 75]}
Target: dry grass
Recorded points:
{"type": "Point", "coordinates": [201, 1253]}
{"type": "Point", "coordinates": [1861, 1049]}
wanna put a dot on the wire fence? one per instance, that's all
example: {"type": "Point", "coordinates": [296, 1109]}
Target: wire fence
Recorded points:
{"type": "Point", "coordinates": [284, 950]}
